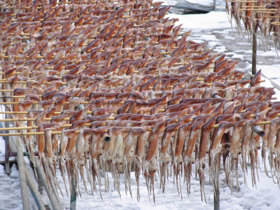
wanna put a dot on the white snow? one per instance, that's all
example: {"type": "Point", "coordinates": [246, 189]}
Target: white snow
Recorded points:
{"type": "Point", "coordinates": [202, 2]}
{"type": "Point", "coordinates": [211, 20]}
{"type": "Point", "coordinates": [10, 197]}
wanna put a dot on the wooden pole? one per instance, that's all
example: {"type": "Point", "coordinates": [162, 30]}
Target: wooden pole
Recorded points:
{"type": "Point", "coordinates": [22, 175]}
{"type": "Point", "coordinates": [214, 5]}
{"type": "Point", "coordinates": [7, 148]}
{"type": "Point", "coordinates": [216, 184]}
{"type": "Point", "coordinates": [73, 197]}
{"type": "Point", "coordinates": [7, 155]}
{"type": "Point", "coordinates": [34, 192]}
{"type": "Point", "coordinates": [52, 185]}
{"type": "Point", "coordinates": [55, 203]}
{"type": "Point", "coordinates": [217, 199]}
{"type": "Point", "coordinates": [254, 50]}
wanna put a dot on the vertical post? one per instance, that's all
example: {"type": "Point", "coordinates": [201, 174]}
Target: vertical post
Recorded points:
{"type": "Point", "coordinates": [217, 199]}
{"type": "Point", "coordinates": [214, 5]}
{"type": "Point", "coordinates": [216, 184]}
{"type": "Point", "coordinates": [36, 195]}
{"type": "Point", "coordinates": [22, 175]}
{"type": "Point", "coordinates": [7, 156]}
{"type": "Point", "coordinates": [51, 194]}
{"type": "Point", "coordinates": [254, 51]}
{"type": "Point", "coordinates": [73, 185]}
{"type": "Point", "coordinates": [7, 148]}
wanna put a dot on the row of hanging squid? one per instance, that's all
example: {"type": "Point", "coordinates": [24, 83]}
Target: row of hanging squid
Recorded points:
{"type": "Point", "coordinates": [116, 87]}
{"type": "Point", "coordinates": [257, 15]}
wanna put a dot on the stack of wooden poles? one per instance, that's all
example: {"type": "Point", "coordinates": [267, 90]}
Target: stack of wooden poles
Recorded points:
{"type": "Point", "coordinates": [98, 87]}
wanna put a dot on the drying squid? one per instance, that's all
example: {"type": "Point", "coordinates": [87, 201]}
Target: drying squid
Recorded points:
{"type": "Point", "coordinates": [231, 154]}
{"type": "Point", "coordinates": [272, 138]}
{"type": "Point", "coordinates": [61, 160]}
{"type": "Point", "coordinates": [151, 99]}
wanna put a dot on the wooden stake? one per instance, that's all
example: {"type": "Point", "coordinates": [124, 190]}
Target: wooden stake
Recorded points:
{"type": "Point", "coordinates": [55, 203]}
{"type": "Point", "coordinates": [33, 189]}
{"type": "Point", "coordinates": [7, 148]}
{"type": "Point", "coordinates": [254, 51]}
{"type": "Point", "coordinates": [7, 155]}
{"type": "Point", "coordinates": [214, 5]}
{"type": "Point", "coordinates": [22, 175]}
{"type": "Point", "coordinates": [216, 183]}
{"type": "Point", "coordinates": [73, 197]}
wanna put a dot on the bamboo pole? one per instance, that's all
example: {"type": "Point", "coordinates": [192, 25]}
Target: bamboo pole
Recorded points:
{"type": "Point", "coordinates": [19, 112]}
{"type": "Point", "coordinates": [31, 119]}
{"type": "Point", "coordinates": [24, 112]}
{"type": "Point", "coordinates": [89, 124]}
{"type": "Point", "coordinates": [14, 102]}
{"type": "Point", "coordinates": [65, 83]}
{"type": "Point", "coordinates": [47, 6]}
{"type": "Point", "coordinates": [137, 73]}
{"type": "Point", "coordinates": [246, 1]}
{"type": "Point", "coordinates": [267, 11]}
{"type": "Point", "coordinates": [25, 82]}
{"type": "Point", "coordinates": [140, 53]}
{"type": "Point", "coordinates": [175, 70]}
{"type": "Point", "coordinates": [34, 127]}
{"type": "Point", "coordinates": [48, 119]}
{"type": "Point", "coordinates": [254, 6]}
{"type": "Point", "coordinates": [85, 102]}
{"type": "Point", "coordinates": [6, 90]}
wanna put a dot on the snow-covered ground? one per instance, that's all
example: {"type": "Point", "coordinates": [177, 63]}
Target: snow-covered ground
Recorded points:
{"type": "Point", "coordinates": [215, 29]}
{"type": "Point", "coordinates": [208, 3]}
{"type": "Point", "coordinates": [9, 185]}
